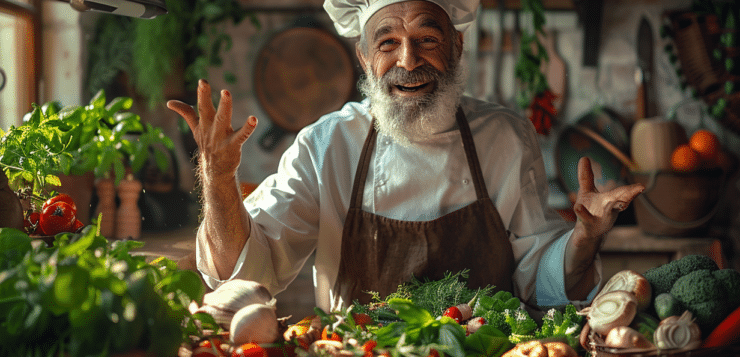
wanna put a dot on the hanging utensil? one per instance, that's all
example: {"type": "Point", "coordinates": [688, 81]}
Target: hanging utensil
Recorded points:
{"type": "Point", "coordinates": [644, 74]}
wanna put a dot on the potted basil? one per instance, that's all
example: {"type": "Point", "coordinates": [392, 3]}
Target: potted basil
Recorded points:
{"type": "Point", "coordinates": [100, 138]}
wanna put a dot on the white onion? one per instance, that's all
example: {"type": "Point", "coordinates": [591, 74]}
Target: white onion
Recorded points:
{"type": "Point", "coordinates": [255, 323]}
{"type": "Point", "coordinates": [678, 333]}
{"type": "Point", "coordinates": [632, 281]}
{"type": "Point", "coordinates": [612, 309]}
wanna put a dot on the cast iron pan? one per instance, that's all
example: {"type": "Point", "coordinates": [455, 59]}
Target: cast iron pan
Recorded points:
{"type": "Point", "coordinates": [301, 74]}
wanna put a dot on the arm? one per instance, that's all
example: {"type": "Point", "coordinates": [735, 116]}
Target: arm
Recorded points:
{"type": "Point", "coordinates": [226, 224]}
{"type": "Point", "coordinates": [596, 212]}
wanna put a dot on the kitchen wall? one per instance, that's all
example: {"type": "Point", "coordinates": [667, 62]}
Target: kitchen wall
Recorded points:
{"type": "Point", "coordinates": [611, 83]}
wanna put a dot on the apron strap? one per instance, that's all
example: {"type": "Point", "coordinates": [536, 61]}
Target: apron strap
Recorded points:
{"type": "Point", "coordinates": [363, 166]}
{"type": "Point", "coordinates": [475, 169]}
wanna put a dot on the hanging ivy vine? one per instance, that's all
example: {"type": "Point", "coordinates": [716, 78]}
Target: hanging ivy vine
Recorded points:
{"type": "Point", "coordinates": [147, 50]}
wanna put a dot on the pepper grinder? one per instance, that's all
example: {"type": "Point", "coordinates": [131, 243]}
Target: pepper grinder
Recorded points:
{"type": "Point", "coordinates": [129, 216]}
{"type": "Point", "coordinates": [106, 190]}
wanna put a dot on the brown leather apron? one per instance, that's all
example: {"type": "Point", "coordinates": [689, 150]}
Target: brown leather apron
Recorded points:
{"type": "Point", "coordinates": [379, 253]}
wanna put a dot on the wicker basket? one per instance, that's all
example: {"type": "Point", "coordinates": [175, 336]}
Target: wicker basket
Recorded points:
{"type": "Point", "coordinates": [678, 204]}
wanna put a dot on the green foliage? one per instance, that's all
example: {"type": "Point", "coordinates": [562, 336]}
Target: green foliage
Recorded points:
{"type": "Point", "coordinates": [566, 324]}
{"type": "Point", "coordinates": [78, 139]}
{"type": "Point", "coordinates": [87, 296]}
{"type": "Point", "coordinates": [527, 68]}
{"type": "Point", "coordinates": [192, 33]}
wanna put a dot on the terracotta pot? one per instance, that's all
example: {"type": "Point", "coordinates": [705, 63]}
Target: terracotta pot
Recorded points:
{"type": "Point", "coordinates": [11, 210]}
{"type": "Point", "coordinates": [80, 188]}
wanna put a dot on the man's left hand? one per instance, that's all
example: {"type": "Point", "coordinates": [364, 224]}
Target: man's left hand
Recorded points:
{"type": "Point", "coordinates": [596, 212]}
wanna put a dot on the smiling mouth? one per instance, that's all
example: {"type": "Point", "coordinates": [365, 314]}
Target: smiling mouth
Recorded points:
{"type": "Point", "coordinates": [412, 87]}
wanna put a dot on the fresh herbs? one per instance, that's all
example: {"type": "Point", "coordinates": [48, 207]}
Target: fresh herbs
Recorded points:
{"type": "Point", "coordinates": [192, 33]}
{"type": "Point", "coordinates": [86, 296]}
{"type": "Point", "coordinates": [413, 323]}
{"type": "Point", "coordinates": [99, 137]}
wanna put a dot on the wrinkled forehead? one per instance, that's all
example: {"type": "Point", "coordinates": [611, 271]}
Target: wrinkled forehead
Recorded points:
{"type": "Point", "coordinates": [407, 14]}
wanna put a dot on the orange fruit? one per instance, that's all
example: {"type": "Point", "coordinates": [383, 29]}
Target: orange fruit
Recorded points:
{"type": "Point", "coordinates": [685, 159]}
{"type": "Point", "coordinates": [706, 144]}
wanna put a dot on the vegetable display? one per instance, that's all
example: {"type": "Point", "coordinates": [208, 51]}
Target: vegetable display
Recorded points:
{"type": "Point", "coordinates": [691, 298]}
{"type": "Point", "coordinates": [86, 296]}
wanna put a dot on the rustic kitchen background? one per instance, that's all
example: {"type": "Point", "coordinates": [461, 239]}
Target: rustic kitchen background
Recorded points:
{"type": "Point", "coordinates": [593, 68]}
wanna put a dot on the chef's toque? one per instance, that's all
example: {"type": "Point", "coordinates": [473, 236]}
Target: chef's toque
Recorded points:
{"type": "Point", "coordinates": [350, 16]}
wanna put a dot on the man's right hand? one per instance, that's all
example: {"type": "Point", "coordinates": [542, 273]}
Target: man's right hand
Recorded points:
{"type": "Point", "coordinates": [226, 225]}
{"type": "Point", "coordinates": [219, 145]}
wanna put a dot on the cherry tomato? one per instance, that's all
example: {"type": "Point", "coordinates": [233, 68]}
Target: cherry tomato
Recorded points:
{"type": "Point", "coordinates": [60, 197]}
{"type": "Point", "coordinates": [249, 350]}
{"type": "Point", "coordinates": [56, 218]}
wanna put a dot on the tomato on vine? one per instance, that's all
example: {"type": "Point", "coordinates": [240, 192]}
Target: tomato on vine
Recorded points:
{"type": "Point", "coordinates": [60, 197]}
{"type": "Point", "coordinates": [56, 218]}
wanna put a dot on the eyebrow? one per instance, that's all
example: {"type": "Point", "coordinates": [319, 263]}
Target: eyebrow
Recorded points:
{"type": "Point", "coordinates": [426, 23]}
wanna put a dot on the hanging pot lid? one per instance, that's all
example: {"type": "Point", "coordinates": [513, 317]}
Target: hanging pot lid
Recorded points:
{"type": "Point", "coordinates": [301, 74]}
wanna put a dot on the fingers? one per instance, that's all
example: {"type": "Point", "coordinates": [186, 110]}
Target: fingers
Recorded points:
{"type": "Point", "coordinates": [205, 103]}
{"type": "Point", "coordinates": [243, 134]}
{"type": "Point", "coordinates": [223, 115]}
{"type": "Point", "coordinates": [625, 194]}
{"type": "Point", "coordinates": [585, 176]}
{"type": "Point", "coordinates": [186, 112]}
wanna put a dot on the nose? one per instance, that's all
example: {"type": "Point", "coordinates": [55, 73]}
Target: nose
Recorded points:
{"type": "Point", "coordinates": [409, 57]}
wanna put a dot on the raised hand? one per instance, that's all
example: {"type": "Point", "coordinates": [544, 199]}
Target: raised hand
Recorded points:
{"type": "Point", "coordinates": [219, 145]}
{"type": "Point", "coordinates": [597, 211]}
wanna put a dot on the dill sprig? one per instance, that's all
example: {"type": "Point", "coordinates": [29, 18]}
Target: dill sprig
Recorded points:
{"type": "Point", "coordinates": [434, 296]}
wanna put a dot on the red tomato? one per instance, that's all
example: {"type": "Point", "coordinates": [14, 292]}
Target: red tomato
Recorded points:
{"type": "Point", "coordinates": [61, 197]}
{"type": "Point", "coordinates": [249, 350]}
{"type": "Point", "coordinates": [31, 223]}
{"type": "Point", "coordinates": [56, 218]}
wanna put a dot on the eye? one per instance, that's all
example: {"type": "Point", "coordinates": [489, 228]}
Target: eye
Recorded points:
{"type": "Point", "coordinates": [387, 45]}
{"type": "Point", "coordinates": [428, 43]}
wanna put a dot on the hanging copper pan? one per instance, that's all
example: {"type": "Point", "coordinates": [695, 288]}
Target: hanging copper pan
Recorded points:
{"type": "Point", "coordinates": [301, 74]}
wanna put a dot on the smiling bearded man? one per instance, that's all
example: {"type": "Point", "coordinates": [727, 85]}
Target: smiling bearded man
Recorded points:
{"type": "Point", "coordinates": [416, 180]}
{"type": "Point", "coordinates": [408, 119]}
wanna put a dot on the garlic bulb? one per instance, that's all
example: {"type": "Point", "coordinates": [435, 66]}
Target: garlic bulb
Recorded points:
{"type": "Point", "coordinates": [231, 296]}
{"type": "Point", "coordinates": [632, 281]}
{"type": "Point", "coordinates": [255, 323]}
{"type": "Point", "coordinates": [676, 332]}
{"type": "Point", "coordinates": [611, 309]}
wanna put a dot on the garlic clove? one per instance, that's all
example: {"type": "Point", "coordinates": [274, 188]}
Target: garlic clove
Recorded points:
{"type": "Point", "coordinates": [255, 323]}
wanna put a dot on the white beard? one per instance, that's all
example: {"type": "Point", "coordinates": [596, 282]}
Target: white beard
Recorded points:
{"type": "Point", "coordinates": [414, 119]}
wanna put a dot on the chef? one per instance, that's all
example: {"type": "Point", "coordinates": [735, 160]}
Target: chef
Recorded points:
{"type": "Point", "coordinates": [416, 180]}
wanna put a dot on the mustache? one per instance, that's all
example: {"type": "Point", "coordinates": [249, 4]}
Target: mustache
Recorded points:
{"type": "Point", "coordinates": [399, 76]}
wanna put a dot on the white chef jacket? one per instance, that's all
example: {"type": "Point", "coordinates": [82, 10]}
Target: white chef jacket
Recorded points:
{"type": "Point", "coordinates": [302, 207]}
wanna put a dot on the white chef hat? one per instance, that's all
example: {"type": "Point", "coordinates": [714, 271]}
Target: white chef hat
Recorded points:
{"type": "Point", "coordinates": [350, 16]}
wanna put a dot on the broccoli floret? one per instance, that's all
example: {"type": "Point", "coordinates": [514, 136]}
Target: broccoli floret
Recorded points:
{"type": "Point", "coordinates": [730, 278]}
{"type": "Point", "coordinates": [497, 320]}
{"type": "Point", "coordinates": [705, 296]}
{"type": "Point", "coordinates": [662, 278]}
{"type": "Point", "coordinates": [694, 262]}
{"type": "Point", "coordinates": [709, 314]}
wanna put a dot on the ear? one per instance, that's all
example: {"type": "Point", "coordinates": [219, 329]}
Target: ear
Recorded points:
{"type": "Point", "coordinates": [459, 44]}
{"type": "Point", "coordinates": [360, 56]}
